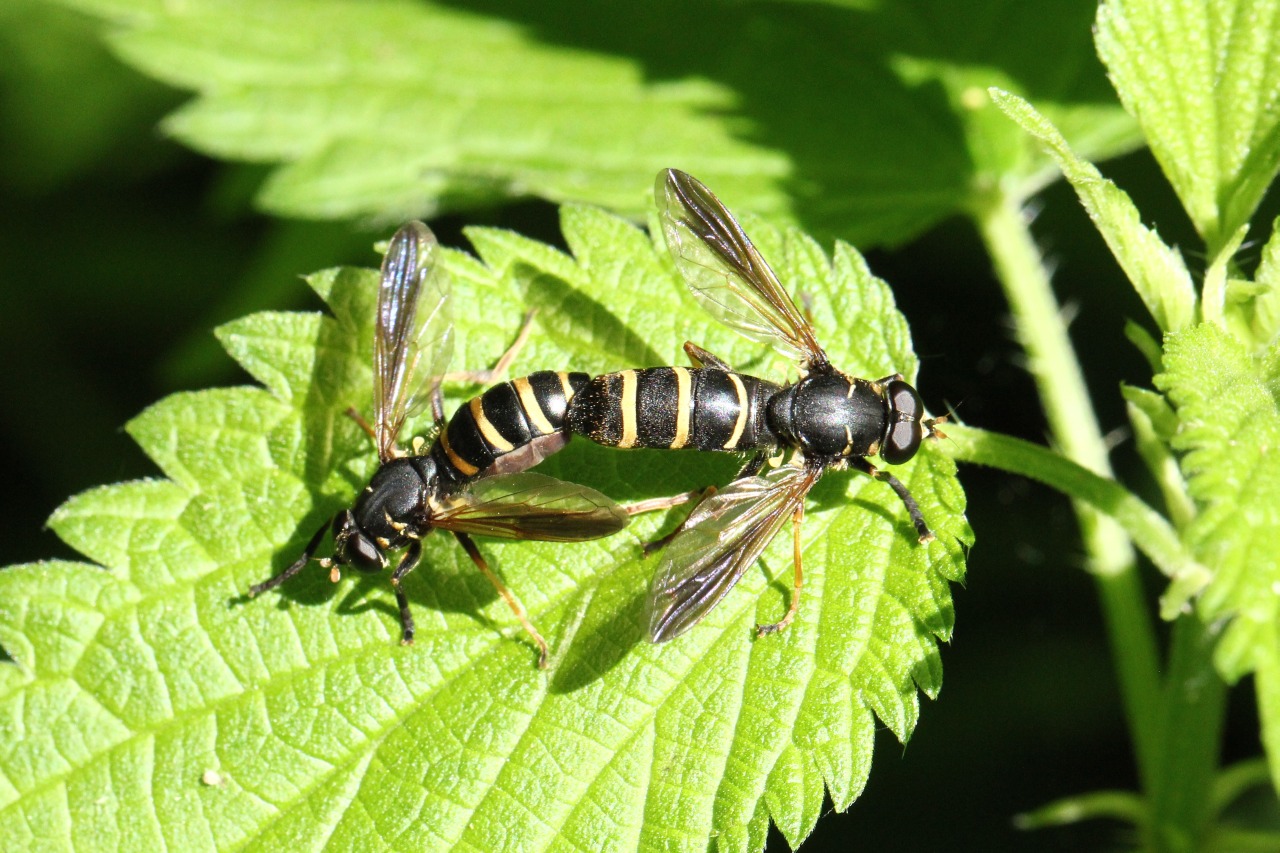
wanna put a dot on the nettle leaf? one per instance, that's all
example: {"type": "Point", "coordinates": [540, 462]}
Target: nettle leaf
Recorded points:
{"type": "Point", "coordinates": [868, 122]}
{"type": "Point", "coordinates": [1264, 310]}
{"type": "Point", "coordinates": [102, 109]}
{"type": "Point", "coordinates": [1203, 80]}
{"type": "Point", "coordinates": [1156, 269]}
{"type": "Point", "coordinates": [1228, 405]}
{"type": "Point", "coordinates": [150, 706]}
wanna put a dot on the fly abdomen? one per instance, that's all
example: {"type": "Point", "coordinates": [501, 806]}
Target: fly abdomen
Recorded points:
{"type": "Point", "coordinates": [730, 411]}
{"type": "Point", "coordinates": [509, 428]}
{"type": "Point", "coordinates": [673, 408]}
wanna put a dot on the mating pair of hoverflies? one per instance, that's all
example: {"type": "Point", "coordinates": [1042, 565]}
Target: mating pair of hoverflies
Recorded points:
{"type": "Point", "coordinates": [473, 478]}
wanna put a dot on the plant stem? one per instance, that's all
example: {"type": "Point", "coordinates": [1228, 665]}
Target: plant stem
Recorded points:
{"type": "Point", "coordinates": [1074, 428]}
{"type": "Point", "coordinates": [1120, 805]}
{"type": "Point", "coordinates": [1182, 804]}
{"type": "Point", "coordinates": [1234, 781]}
{"type": "Point", "coordinates": [1148, 529]}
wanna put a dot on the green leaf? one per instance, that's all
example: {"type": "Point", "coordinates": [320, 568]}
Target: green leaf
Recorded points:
{"type": "Point", "coordinates": [1155, 269]}
{"type": "Point", "coordinates": [1154, 425]}
{"type": "Point", "coordinates": [149, 706]}
{"type": "Point", "coordinates": [54, 57]}
{"type": "Point", "coordinates": [1265, 310]}
{"type": "Point", "coordinates": [1217, 303]}
{"type": "Point", "coordinates": [1226, 401]}
{"type": "Point", "coordinates": [1203, 80]}
{"type": "Point", "coordinates": [1145, 344]}
{"type": "Point", "coordinates": [866, 122]}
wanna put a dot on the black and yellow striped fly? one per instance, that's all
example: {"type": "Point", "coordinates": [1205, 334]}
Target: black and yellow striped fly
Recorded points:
{"type": "Point", "coordinates": [510, 427]}
{"type": "Point", "coordinates": [828, 419]}
{"type": "Point", "coordinates": [456, 485]}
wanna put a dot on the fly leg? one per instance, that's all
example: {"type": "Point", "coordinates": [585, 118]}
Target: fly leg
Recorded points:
{"type": "Point", "coordinates": [474, 553]}
{"type": "Point", "coordinates": [654, 504]}
{"type": "Point", "coordinates": [362, 423]}
{"type": "Point", "coordinates": [396, 452]}
{"type": "Point", "coordinates": [486, 377]}
{"type": "Point", "coordinates": [753, 466]}
{"type": "Point", "coordinates": [480, 377]}
{"type": "Point", "coordinates": [913, 509]}
{"type": "Point", "coordinates": [699, 357]}
{"type": "Point", "coordinates": [407, 564]}
{"type": "Point", "coordinates": [298, 564]}
{"type": "Point", "coordinates": [437, 407]}
{"type": "Point", "coordinates": [761, 630]}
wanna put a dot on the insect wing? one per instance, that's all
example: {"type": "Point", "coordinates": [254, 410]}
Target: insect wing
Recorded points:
{"type": "Point", "coordinates": [722, 537]}
{"type": "Point", "coordinates": [414, 337]}
{"type": "Point", "coordinates": [726, 272]}
{"type": "Point", "coordinates": [530, 506]}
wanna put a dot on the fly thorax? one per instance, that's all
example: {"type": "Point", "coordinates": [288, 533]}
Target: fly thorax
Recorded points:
{"type": "Point", "coordinates": [394, 498]}
{"type": "Point", "coordinates": [830, 415]}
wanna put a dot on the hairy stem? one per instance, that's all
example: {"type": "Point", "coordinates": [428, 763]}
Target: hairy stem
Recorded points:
{"type": "Point", "coordinates": [1190, 729]}
{"type": "Point", "coordinates": [1074, 428]}
{"type": "Point", "coordinates": [1148, 529]}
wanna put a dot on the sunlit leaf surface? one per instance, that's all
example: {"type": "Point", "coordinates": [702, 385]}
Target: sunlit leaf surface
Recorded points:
{"type": "Point", "coordinates": [149, 708]}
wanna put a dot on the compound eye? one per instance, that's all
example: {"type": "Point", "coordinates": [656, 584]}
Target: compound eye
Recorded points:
{"type": "Point", "coordinates": [902, 442]}
{"type": "Point", "coordinates": [352, 547]}
{"type": "Point", "coordinates": [364, 554]}
{"type": "Point", "coordinates": [904, 434]}
{"type": "Point", "coordinates": [904, 401]}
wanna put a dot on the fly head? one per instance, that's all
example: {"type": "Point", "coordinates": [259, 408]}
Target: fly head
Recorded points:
{"type": "Point", "coordinates": [903, 432]}
{"type": "Point", "coordinates": [352, 547]}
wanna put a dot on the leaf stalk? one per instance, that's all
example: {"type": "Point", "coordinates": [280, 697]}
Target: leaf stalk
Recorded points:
{"type": "Point", "coordinates": [1074, 429]}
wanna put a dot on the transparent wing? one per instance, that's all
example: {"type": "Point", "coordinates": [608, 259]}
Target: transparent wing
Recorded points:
{"type": "Point", "coordinates": [725, 271]}
{"type": "Point", "coordinates": [722, 537]}
{"type": "Point", "coordinates": [530, 506]}
{"type": "Point", "coordinates": [414, 338]}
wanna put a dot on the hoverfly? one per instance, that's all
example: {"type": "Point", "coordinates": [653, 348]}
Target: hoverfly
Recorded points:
{"type": "Point", "coordinates": [409, 495]}
{"type": "Point", "coordinates": [830, 420]}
